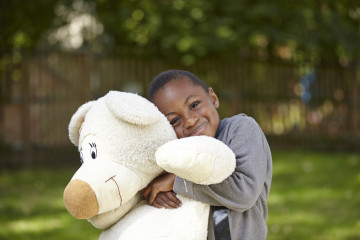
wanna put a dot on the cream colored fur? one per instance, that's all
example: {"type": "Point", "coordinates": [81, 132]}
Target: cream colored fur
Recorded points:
{"type": "Point", "coordinates": [118, 137]}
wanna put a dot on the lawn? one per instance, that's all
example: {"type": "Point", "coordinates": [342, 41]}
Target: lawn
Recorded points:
{"type": "Point", "coordinates": [314, 195]}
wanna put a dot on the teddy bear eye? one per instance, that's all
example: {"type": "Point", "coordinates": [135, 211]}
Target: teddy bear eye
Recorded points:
{"type": "Point", "coordinates": [93, 150]}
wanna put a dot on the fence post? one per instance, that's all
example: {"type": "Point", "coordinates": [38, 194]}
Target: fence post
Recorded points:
{"type": "Point", "coordinates": [27, 158]}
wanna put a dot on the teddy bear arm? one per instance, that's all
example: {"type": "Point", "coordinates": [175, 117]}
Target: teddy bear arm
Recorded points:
{"type": "Point", "coordinates": [201, 159]}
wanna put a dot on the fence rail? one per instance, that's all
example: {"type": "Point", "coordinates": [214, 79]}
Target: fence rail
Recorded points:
{"type": "Point", "coordinates": [294, 105]}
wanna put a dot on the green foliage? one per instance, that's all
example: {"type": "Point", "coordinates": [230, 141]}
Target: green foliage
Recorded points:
{"type": "Point", "coordinates": [22, 23]}
{"type": "Point", "coordinates": [302, 31]}
{"type": "Point", "coordinates": [314, 195]}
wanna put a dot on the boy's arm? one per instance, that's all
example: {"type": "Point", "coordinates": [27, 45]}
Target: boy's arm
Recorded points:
{"type": "Point", "coordinates": [159, 192]}
{"type": "Point", "coordinates": [201, 159]}
{"type": "Point", "coordinates": [242, 188]}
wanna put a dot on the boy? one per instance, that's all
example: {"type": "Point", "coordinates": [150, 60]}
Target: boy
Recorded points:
{"type": "Point", "coordinates": [238, 203]}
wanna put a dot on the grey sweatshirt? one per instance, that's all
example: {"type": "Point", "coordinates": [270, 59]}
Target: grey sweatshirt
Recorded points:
{"type": "Point", "coordinates": [245, 192]}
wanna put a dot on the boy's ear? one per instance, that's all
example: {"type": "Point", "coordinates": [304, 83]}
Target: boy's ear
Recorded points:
{"type": "Point", "coordinates": [214, 98]}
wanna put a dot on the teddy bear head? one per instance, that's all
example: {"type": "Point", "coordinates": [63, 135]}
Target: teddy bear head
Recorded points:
{"type": "Point", "coordinates": [117, 137]}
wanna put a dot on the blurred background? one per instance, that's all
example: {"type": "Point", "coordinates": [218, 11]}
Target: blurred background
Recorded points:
{"type": "Point", "coordinates": [293, 66]}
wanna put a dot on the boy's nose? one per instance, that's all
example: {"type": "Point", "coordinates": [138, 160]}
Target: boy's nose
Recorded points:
{"type": "Point", "coordinates": [190, 120]}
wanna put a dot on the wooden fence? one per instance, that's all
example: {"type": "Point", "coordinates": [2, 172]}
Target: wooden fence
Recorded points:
{"type": "Point", "coordinates": [294, 105]}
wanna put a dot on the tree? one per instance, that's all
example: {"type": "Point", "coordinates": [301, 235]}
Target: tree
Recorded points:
{"type": "Point", "coordinates": [303, 31]}
{"type": "Point", "coordinates": [22, 23]}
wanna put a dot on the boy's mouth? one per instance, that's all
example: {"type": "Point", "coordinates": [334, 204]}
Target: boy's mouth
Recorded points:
{"type": "Point", "coordinates": [199, 130]}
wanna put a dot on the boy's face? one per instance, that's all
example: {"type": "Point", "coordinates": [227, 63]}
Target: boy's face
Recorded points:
{"type": "Point", "coordinates": [189, 108]}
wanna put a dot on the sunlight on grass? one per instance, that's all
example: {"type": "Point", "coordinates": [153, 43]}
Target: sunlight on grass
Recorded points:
{"type": "Point", "coordinates": [303, 217]}
{"type": "Point", "coordinates": [32, 225]}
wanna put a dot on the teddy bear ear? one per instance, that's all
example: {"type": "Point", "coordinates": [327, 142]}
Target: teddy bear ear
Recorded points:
{"type": "Point", "coordinates": [132, 108]}
{"type": "Point", "coordinates": [76, 122]}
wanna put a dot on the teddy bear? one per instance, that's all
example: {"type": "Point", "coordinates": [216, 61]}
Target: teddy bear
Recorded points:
{"type": "Point", "coordinates": [124, 143]}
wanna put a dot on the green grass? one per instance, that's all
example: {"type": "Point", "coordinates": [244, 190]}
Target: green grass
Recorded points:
{"type": "Point", "coordinates": [31, 207]}
{"type": "Point", "coordinates": [314, 195]}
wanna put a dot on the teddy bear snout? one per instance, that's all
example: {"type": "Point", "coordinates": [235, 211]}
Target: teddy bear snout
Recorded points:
{"type": "Point", "coordinates": [80, 200]}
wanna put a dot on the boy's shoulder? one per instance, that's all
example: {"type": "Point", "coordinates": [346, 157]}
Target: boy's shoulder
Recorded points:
{"type": "Point", "coordinates": [240, 119]}
{"type": "Point", "coordinates": [240, 122]}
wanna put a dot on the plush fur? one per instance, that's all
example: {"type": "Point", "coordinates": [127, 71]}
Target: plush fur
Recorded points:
{"type": "Point", "coordinates": [119, 136]}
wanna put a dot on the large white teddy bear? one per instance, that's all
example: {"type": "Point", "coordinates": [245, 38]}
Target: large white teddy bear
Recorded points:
{"type": "Point", "coordinates": [119, 136]}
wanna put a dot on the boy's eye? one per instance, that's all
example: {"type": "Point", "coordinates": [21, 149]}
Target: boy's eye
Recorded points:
{"type": "Point", "coordinates": [174, 120]}
{"type": "Point", "coordinates": [194, 105]}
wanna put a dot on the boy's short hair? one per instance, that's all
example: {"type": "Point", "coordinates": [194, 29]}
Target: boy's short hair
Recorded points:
{"type": "Point", "coordinates": [163, 78]}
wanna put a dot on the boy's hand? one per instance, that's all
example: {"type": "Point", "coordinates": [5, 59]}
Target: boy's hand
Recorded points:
{"type": "Point", "coordinates": [164, 183]}
{"type": "Point", "coordinates": [166, 200]}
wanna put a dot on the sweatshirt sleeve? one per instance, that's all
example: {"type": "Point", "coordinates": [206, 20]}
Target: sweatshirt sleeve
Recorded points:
{"type": "Point", "coordinates": [241, 189]}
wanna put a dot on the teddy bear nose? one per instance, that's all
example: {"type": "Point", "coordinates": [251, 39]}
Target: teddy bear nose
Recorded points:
{"type": "Point", "coordinates": [80, 200]}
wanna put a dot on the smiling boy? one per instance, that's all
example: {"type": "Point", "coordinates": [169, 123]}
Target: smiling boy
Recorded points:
{"type": "Point", "coordinates": [239, 208]}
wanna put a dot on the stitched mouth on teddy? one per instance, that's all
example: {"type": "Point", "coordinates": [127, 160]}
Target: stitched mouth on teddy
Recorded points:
{"type": "Point", "coordinates": [117, 185]}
